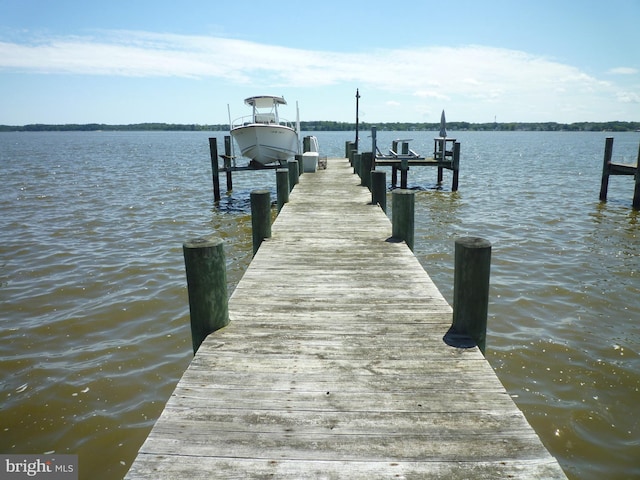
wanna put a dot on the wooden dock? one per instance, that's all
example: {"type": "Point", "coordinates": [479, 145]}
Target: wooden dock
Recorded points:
{"type": "Point", "coordinates": [333, 365]}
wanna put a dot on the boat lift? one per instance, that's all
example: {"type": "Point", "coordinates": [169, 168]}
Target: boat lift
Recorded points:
{"type": "Point", "coordinates": [446, 155]}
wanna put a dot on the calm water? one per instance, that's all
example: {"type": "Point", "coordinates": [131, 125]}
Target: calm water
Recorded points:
{"type": "Point", "coordinates": [94, 313]}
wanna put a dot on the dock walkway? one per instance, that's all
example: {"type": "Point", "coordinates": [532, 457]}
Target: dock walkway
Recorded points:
{"type": "Point", "coordinates": [333, 365]}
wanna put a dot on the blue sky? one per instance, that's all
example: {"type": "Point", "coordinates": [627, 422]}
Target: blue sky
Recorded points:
{"type": "Point", "coordinates": [68, 61]}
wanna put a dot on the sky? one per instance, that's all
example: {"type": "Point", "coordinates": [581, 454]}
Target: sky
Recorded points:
{"type": "Point", "coordinates": [135, 61]}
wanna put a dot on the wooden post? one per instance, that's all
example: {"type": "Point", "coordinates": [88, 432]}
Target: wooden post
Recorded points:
{"type": "Point", "coordinates": [404, 171]}
{"type": "Point", "coordinates": [349, 149]}
{"type": "Point", "coordinates": [205, 266]}
{"type": "Point", "coordinates": [294, 174]}
{"type": "Point", "coordinates": [357, 163]}
{"type": "Point", "coordinates": [402, 210]}
{"type": "Point", "coordinates": [394, 176]}
{"type": "Point", "coordinates": [227, 162]}
{"type": "Point", "coordinates": [470, 293]}
{"type": "Point", "coordinates": [299, 160]}
{"type": "Point", "coordinates": [636, 190]}
{"type": "Point", "coordinates": [365, 169]}
{"type": "Point", "coordinates": [379, 189]}
{"type": "Point", "coordinates": [261, 216]}
{"type": "Point", "coordinates": [282, 186]}
{"type": "Point", "coordinates": [374, 143]}
{"type": "Point", "coordinates": [455, 166]}
{"type": "Point", "coordinates": [213, 150]}
{"type": "Point", "coordinates": [604, 184]}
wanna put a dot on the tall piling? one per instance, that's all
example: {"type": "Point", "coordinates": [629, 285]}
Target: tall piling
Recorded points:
{"type": "Point", "coordinates": [636, 189]}
{"type": "Point", "coordinates": [455, 166]}
{"type": "Point", "coordinates": [227, 162]}
{"type": "Point", "coordinates": [606, 163]}
{"type": "Point", "coordinates": [213, 152]}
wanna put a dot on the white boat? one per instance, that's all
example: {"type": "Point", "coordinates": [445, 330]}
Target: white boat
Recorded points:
{"type": "Point", "coordinates": [263, 136]}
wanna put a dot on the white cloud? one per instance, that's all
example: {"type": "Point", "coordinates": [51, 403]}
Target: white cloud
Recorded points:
{"type": "Point", "coordinates": [628, 97]}
{"type": "Point", "coordinates": [467, 75]}
{"type": "Point", "coordinates": [623, 71]}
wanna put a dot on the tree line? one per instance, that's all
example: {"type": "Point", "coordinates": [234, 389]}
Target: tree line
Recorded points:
{"type": "Point", "coordinates": [328, 126]}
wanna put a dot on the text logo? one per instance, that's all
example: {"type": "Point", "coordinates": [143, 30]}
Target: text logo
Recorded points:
{"type": "Point", "coordinates": [49, 467]}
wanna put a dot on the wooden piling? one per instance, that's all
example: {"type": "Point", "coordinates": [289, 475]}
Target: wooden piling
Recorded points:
{"type": "Point", "coordinates": [455, 166]}
{"type": "Point", "coordinates": [404, 172]}
{"type": "Point", "coordinates": [606, 165]}
{"type": "Point", "coordinates": [213, 151]}
{"type": "Point", "coordinates": [227, 162]}
{"type": "Point", "coordinates": [366, 163]}
{"type": "Point", "coordinates": [402, 209]}
{"type": "Point", "coordinates": [299, 160]}
{"type": "Point", "coordinates": [636, 190]}
{"type": "Point", "coordinates": [357, 163]}
{"type": "Point", "coordinates": [374, 144]}
{"type": "Point", "coordinates": [379, 189]}
{"type": "Point", "coordinates": [282, 187]}
{"type": "Point", "coordinates": [349, 148]}
{"type": "Point", "coordinates": [205, 267]}
{"type": "Point", "coordinates": [261, 216]}
{"type": "Point", "coordinates": [470, 293]}
{"type": "Point", "coordinates": [294, 174]}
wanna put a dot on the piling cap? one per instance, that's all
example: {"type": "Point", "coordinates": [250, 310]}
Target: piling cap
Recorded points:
{"type": "Point", "coordinates": [473, 242]}
{"type": "Point", "coordinates": [203, 242]}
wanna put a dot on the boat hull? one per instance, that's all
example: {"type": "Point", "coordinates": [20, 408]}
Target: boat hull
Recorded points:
{"type": "Point", "coordinates": [266, 144]}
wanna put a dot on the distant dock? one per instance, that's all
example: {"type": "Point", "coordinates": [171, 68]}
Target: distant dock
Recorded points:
{"type": "Point", "coordinates": [334, 365]}
{"type": "Point", "coordinates": [446, 156]}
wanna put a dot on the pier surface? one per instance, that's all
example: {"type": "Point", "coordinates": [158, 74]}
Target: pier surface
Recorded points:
{"type": "Point", "coordinates": [333, 365]}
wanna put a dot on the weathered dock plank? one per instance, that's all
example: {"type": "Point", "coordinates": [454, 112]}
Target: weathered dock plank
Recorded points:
{"type": "Point", "coordinates": [333, 365]}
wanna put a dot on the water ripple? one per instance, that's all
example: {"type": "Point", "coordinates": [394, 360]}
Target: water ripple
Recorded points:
{"type": "Point", "coordinates": [95, 325]}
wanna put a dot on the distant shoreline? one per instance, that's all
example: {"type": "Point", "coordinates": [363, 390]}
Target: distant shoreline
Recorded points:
{"type": "Point", "coordinates": [327, 126]}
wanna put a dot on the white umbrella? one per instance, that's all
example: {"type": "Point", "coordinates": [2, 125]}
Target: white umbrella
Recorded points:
{"type": "Point", "coordinates": [443, 126]}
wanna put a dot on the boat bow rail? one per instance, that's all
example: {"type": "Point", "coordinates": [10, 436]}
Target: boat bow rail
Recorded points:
{"type": "Point", "coordinates": [261, 118]}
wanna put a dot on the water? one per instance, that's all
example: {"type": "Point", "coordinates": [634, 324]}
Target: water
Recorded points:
{"type": "Point", "coordinates": [94, 314]}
